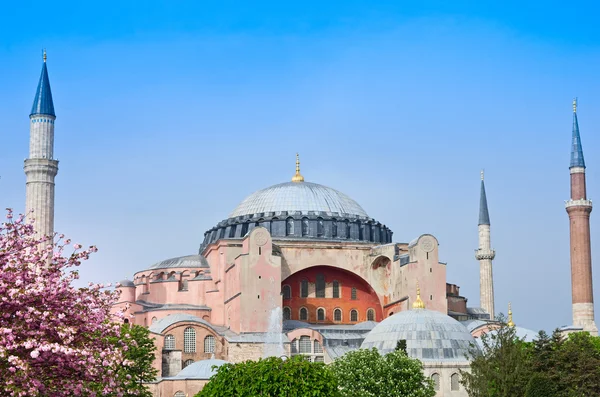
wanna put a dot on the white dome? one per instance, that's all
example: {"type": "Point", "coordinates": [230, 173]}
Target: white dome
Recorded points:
{"type": "Point", "coordinates": [429, 335]}
{"type": "Point", "coordinates": [299, 197]}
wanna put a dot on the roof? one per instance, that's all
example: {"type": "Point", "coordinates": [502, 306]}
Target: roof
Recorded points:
{"type": "Point", "coordinates": [43, 104]}
{"type": "Point", "coordinates": [484, 216]}
{"type": "Point", "coordinates": [202, 369]}
{"type": "Point", "coordinates": [576, 148]}
{"type": "Point", "coordinates": [298, 197]}
{"type": "Point", "coordinates": [429, 335]}
{"type": "Point", "coordinates": [526, 335]}
{"type": "Point", "coordinates": [126, 283]}
{"type": "Point", "coordinates": [182, 261]}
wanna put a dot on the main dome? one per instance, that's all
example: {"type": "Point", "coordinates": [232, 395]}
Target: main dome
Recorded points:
{"type": "Point", "coordinates": [300, 197]}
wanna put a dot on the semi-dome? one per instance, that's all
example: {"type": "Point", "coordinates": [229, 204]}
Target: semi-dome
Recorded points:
{"type": "Point", "coordinates": [302, 197]}
{"type": "Point", "coordinates": [429, 335]}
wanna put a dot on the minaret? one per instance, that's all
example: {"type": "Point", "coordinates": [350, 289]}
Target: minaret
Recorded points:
{"type": "Point", "coordinates": [41, 168]}
{"type": "Point", "coordinates": [485, 255]}
{"type": "Point", "coordinates": [579, 209]}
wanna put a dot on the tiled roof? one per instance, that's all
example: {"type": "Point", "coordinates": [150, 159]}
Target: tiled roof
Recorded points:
{"type": "Point", "coordinates": [42, 104]}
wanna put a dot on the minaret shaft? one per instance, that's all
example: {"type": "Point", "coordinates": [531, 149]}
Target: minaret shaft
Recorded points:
{"type": "Point", "coordinates": [485, 254]}
{"type": "Point", "coordinates": [579, 209]}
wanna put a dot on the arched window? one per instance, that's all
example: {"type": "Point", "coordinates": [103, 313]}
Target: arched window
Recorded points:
{"type": "Point", "coordinates": [126, 321]}
{"type": "Point", "coordinates": [321, 314]}
{"type": "Point", "coordinates": [305, 226]}
{"type": "Point", "coordinates": [294, 347]}
{"type": "Point", "coordinates": [361, 230]}
{"type": "Point", "coordinates": [318, 347]}
{"type": "Point", "coordinates": [337, 315]}
{"type": "Point", "coordinates": [304, 288]}
{"type": "Point", "coordinates": [287, 292]}
{"type": "Point", "coordinates": [454, 385]}
{"type": "Point", "coordinates": [287, 313]}
{"type": "Point", "coordinates": [169, 342]}
{"type": "Point", "coordinates": [209, 344]}
{"type": "Point", "coordinates": [244, 229]}
{"type": "Point", "coordinates": [334, 228]}
{"type": "Point", "coordinates": [179, 394]}
{"type": "Point", "coordinates": [232, 231]}
{"type": "Point", "coordinates": [347, 225]}
{"type": "Point", "coordinates": [353, 315]}
{"type": "Point", "coordinates": [336, 289]}
{"type": "Point", "coordinates": [320, 286]}
{"type": "Point", "coordinates": [353, 294]}
{"type": "Point", "coordinates": [370, 315]}
{"type": "Point", "coordinates": [436, 381]}
{"type": "Point", "coordinates": [189, 340]}
{"type": "Point", "coordinates": [289, 228]}
{"type": "Point", "coordinates": [320, 227]}
{"type": "Point", "coordinates": [305, 345]}
{"type": "Point", "coordinates": [154, 319]}
{"type": "Point", "coordinates": [303, 314]}
{"type": "Point", "coordinates": [187, 362]}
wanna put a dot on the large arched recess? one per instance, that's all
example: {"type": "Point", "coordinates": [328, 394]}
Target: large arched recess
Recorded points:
{"type": "Point", "coordinates": [366, 297]}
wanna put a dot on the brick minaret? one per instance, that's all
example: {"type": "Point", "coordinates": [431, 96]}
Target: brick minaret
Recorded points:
{"type": "Point", "coordinates": [485, 254]}
{"type": "Point", "coordinates": [41, 168]}
{"type": "Point", "coordinates": [579, 209]}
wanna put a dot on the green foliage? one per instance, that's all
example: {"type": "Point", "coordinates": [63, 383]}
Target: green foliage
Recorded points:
{"type": "Point", "coordinates": [295, 377]}
{"type": "Point", "coordinates": [401, 345]}
{"type": "Point", "coordinates": [540, 386]}
{"type": "Point", "coordinates": [550, 366]}
{"type": "Point", "coordinates": [139, 354]}
{"type": "Point", "coordinates": [366, 373]}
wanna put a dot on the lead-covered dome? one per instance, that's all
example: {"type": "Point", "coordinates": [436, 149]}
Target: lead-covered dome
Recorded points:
{"type": "Point", "coordinates": [302, 197]}
{"type": "Point", "coordinates": [429, 335]}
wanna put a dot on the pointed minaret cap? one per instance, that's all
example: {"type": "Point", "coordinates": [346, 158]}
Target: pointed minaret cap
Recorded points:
{"type": "Point", "coordinates": [43, 104]}
{"type": "Point", "coordinates": [298, 177]}
{"type": "Point", "coordinates": [418, 303]}
{"type": "Point", "coordinates": [576, 148]}
{"type": "Point", "coordinates": [484, 215]}
{"type": "Point", "coordinates": [510, 322]}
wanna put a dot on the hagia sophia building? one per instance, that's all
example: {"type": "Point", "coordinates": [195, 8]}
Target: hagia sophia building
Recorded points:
{"type": "Point", "coordinates": [300, 268]}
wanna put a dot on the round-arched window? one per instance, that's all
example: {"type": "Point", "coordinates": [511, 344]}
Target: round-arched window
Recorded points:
{"type": "Point", "coordinates": [189, 340]}
{"type": "Point", "coordinates": [320, 314]}
{"type": "Point", "coordinates": [287, 313]}
{"type": "Point", "coordinates": [337, 315]}
{"type": "Point", "coordinates": [169, 342]}
{"type": "Point", "coordinates": [303, 314]}
{"type": "Point", "coordinates": [353, 315]}
{"type": "Point", "coordinates": [436, 381]}
{"type": "Point", "coordinates": [370, 315]}
{"type": "Point", "coordinates": [209, 344]}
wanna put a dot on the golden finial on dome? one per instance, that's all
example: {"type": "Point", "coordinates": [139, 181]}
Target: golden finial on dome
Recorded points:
{"type": "Point", "coordinates": [418, 304]}
{"type": "Point", "coordinates": [44, 56]}
{"type": "Point", "coordinates": [298, 177]}
{"type": "Point", "coordinates": [510, 322]}
{"type": "Point", "coordinates": [574, 105]}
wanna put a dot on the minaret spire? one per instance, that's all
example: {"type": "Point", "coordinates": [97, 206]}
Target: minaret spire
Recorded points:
{"type": "Point", "coordinates": [41, 167]}
{"type": "Point", "coordinates": [298, 177]}
{"type": "Point", "coordinates": [510, 322]}
{"type": "Point", "coordinates": [579, 209]}
{"type": "Point", "coordinates": [485, 255]}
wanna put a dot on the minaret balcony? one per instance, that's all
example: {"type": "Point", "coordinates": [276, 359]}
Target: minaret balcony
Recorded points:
{"type": "Point", "coordinates": [578, 203]}
{"type": "Point", "coordinates": [481, 254]}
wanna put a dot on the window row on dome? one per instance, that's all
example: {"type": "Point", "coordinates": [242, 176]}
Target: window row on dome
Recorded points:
{"type": "Point", "coordinates": [189, 342]}
{"type": "Point", "coordinates": [305, 227]}
{"type": "Point", "coordinates": [454, 381]}
{"type": "Point", "coordinates": [321, 314]}
{"type": "Point", "coordinates": [42, 121]}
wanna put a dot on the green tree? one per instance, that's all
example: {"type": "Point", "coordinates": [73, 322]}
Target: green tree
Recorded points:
{"type": "Point", "coordinates": [273, 377]}
{"type": "Point", "coordinates": [366, 373]}
{"type": "Point", "coordinates": [502, 368]}
{"type": "Point", "coordinates": [139, 350]}
{"type": "Point", "coordinates": [540, 386]}
{"type": "Point", "coordinates": [578, 365]}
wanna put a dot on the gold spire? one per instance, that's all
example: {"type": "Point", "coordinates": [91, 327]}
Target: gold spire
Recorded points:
{"type": "Point", "coordinates": [298, 177]}
{"type": "Point", "coordinates": [418, 304]}
{"type": "Point", "coordinates": [44, 56]}
{"type": "Point", "coordinates": [574, 105]}
{"type": "Point", "coordinates": [510, 322]}
{"type": "Point", "coordinates": [482, 175]}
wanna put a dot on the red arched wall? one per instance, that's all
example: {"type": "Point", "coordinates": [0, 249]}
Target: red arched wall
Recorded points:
{"type": "Point", "coordinates": [366, 297]}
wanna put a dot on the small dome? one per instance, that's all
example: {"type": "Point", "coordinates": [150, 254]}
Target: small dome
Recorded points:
{"type": "Point", "coordinates": [429, 335]}
{"type": "Point", "coordinates": [202, 369]}
{"type": "Point", "coordinates": [126, 283]}
{"type": "Point", "coordinates": [298, 197]}
{"type": "Point", "coordinates": [182, 261]}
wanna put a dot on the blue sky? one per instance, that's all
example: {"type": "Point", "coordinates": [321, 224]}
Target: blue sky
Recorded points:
{"type": "Point", "coordinates": [170, 113]}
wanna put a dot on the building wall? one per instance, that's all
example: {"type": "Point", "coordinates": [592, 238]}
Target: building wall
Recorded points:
{"type": "Point", "coordinates": [168, 387]}
{"type": "Point", "coordinates": [366, 297]}
{"type": "Point", "coordinates": [445, 370]}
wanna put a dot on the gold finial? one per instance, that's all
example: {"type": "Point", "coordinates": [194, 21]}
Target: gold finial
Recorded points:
{"type": "Point", "coordinates": [44, 56]}
{"type": "Point", "coordinates": [510, 322]}
{"type": "Point", "coordinates": [298, 177]}
{"type": "Point", "coordinates": [482, 175]}
{"type": "Point", "coordinates": [418, 304]}
{"type": "Point", "coordinates": [574, 105]}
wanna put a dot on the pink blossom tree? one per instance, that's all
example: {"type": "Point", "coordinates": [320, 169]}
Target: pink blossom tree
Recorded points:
{"type": "Point", "coordinates": [54, 337]}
